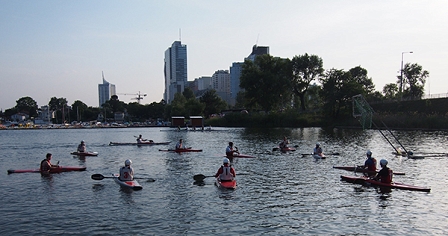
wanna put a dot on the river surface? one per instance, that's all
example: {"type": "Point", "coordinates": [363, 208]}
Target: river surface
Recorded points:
{"type": "Point", "coordinates": [277, 193]}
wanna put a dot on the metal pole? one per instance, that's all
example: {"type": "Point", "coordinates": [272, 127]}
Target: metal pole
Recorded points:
{"type": "Point", "coordinates": [401, 74]}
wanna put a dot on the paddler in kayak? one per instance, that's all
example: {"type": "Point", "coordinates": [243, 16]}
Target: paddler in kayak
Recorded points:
{"type": "Point", "coordinates": [127, 172]}
{"type": "Point", "coordinates": [369, 165]}
{"type": "Point", "coordinates": [141, 140]}
{"type": "Point", "coordinates": [180, 145]}
{"type": "Point", "coordinates": [225, 172]}
{"type": "Point", "coordinates": [385, 174]}
{"type": "Point", "coordinates": [318, 150]}
{"type": "Point", "coordinates": [284, 143]}
{"type": "Point", "coordinates": [82, 146]}
{"type": "Point", "coordinates": [230, 151]}
{"type": "Point", "coordinates": [46, 166]}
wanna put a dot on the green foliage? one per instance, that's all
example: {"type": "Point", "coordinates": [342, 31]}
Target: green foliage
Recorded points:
{"type": "Point", "coordinates": [27, 105]}
{"type": "Point", "coordinates": [266, 82]}
{"type": "Point", "coordinates": [305, 69]}
{"type": "Point", "coordinates": [414, 79]}
{"type": "Point", "coordinates": [213, 103]}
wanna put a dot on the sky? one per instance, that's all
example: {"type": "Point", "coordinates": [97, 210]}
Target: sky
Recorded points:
{"type": "Point", "coordinates": [53, 48]}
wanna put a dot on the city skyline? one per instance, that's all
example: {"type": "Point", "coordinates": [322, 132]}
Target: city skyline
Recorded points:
{"type": "Point", "coordinates": [59, 49]}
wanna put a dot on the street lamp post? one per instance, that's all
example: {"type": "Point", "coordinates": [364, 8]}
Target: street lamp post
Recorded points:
{"type": "Point", "coordinates": [401, 73]}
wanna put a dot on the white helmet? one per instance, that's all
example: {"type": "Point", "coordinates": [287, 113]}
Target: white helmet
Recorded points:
{"type": "Point", "coordinates": [225, 160]}
{"type": "Point", "coordinates": [317, 144]}
{"type": "Point", "coordinates": [383, 162]}
{"type": "Point", "coordinates": [128, 162]}
{"type": "Point", "coordinates": [369, 153]}
{"type": "Point", "coordinates": [82, 141]}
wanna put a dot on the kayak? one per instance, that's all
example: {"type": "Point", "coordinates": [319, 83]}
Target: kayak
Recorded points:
{"type": "Point", "coordinates": [181, 150]}
{"type": "Point", "coordinates": [130, 184]}
{"type": "Point", "coordinates": [366, 180]}
{"type": "Point", "coordinates": [84, 154]}
{"type": "Point", "coordinates": [241, 156]}
{"type": "Point", "coordinates": [55, 170]}
{"type": "Point", "coordinates": [361, 170]}
{"type": "Point", "coordinates": [137, 144]}
{"type": "Point", "coordinates": [225, 184]}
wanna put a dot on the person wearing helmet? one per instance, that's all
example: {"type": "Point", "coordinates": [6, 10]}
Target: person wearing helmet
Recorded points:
{"type": "Point", "coordinates": [284, 143]}
{"type": "Point", "coordinates": [385, 174]}
{"type": "Point", "coordinates": [225, 172]}
{"type": "Point", "coordinates": [127, 172]}
{"type": "Point", "coordinates": [230, 151]}
{"type": "Point", "coordinates": [82, 146]}
{"type": "Point", "coordinates": [318, 150]}
{"type": "Point", "coordinates": [370, 164]}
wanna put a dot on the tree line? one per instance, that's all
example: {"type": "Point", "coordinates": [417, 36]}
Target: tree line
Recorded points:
{"type": "Point", "coordinates": [269, 84]}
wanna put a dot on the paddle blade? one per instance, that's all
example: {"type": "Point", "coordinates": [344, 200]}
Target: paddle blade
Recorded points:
{"type": "Point", "coordinates": [275, 149]}
{"type": "Point", "coordinates": [199, 177]}
{"type": "Point", "coordinates": [97, 176]}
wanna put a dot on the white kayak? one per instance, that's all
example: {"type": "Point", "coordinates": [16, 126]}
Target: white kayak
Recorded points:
{"type": "Point", "coordinates": [131, 184]}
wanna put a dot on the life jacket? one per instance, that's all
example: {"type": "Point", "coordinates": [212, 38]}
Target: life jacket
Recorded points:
{"type": "Point", "coordinates": [388, 178]}
{"type": "Point", "coordinates": [44, 167]}
{"type": "Point", "coordinates": [226, 174]}
{"type": "Point", "coordinates": [126, 173]}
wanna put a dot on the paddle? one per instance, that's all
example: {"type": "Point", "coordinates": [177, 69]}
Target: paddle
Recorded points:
{"type": "Point", "coordinates": [201, 177]}
{"type": "Point", "coordinates": [101, 177]}
{"type": "Point", "coordinates": [335, 154]}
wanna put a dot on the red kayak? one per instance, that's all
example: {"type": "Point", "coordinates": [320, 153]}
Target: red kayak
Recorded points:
{"type": "Point", "coordinates": [225, 184]}
{"type": "Point", "coordinates": [55, 170]}
{"type": "Point", "coordinates": [361, 170]}
{"type": "Point", "coordinates": [241, 156]}
{"type": "Point", "coordinates": [84, 154]}
{"type": "Point", "coordinates": [181, 150]}
{"type": "Point", "coordinates": [366, 180]}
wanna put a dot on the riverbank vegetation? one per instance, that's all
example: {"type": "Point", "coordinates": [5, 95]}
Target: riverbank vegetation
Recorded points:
{"type": "Point", "coordinates": [277, 92]}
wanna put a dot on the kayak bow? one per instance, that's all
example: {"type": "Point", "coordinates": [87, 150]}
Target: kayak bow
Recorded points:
{"type": "Point", "coordinates": [55, 170]}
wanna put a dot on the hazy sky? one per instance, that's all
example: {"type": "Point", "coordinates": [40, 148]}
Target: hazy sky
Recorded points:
{"type": "Point", "coordinates": [53, 48]}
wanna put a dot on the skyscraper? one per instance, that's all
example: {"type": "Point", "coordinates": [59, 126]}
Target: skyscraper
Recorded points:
{"type": "Point", "coordinates": [105, 91]}
{"type": "Point", "coordinates": [175, 70]}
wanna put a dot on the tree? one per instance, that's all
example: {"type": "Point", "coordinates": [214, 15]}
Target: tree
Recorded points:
{"type": "Point", "coordinates": [58, 105]}
{"type": "Point", "coordinates": [27, 105]}
{"type": "Point", "coordinates": [178, 105]}
{"type": "Point", "coordinates": [414, 79]}
{"type": "Point", "coordinates": [267, 82]}
{"type": "Point", "coordinates": [305, 69]}
{"type": "Point", "coordinates": [78, 109]}
{"type": "Point", "coordinates": [188, 93]}
{"type": "Point", "coordinates": [390, 91]}
{"type": "Point", "coordinates": [213, 104]}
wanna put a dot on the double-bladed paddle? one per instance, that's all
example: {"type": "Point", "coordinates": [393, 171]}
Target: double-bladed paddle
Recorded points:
{"type": "Point", "coordinates": [201, 177]}
{"type": "Point", "coordinates": [101, 177]}
{"type": "Point", "coordinates": [334, 154]}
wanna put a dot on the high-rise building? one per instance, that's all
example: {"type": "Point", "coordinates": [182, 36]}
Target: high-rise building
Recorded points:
{"type": "Point", "coordinates": [105, 91]}
{"type": "Point", "coordinates": [175, 70]}
{"type": "Point", "coordinates": [237, 68]}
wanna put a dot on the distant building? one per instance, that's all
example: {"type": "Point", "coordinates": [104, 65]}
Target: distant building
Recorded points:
{"type": "Point", "coordinates": [105, 91]}
{"type": "Point", "coordinates": [257, 51]}
{"type": "Point", "coordinates": [175, 70]}
{"type": "Point", "coordinates": [44, 116]}
{"type": "Point", "coordinates": [221, 83]}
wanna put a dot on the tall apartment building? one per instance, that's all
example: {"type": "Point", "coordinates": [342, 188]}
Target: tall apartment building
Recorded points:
{"type": "Point", "coordinates": [105, 91]}
{"type": "Point", "coordinates": [237, 68]}
{"type": "Point", "coordinates": [221, 83]}
{"type": "Point", "coordinates": [175, 70]}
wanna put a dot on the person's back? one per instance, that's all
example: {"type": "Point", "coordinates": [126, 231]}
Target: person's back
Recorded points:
{"type": "Point", "coordinates": [226, 172]}
{"type": "Point", "coordinates": [82, 147]}
{"type": "Point", "coordinates": [317, 150]}
{"type": "Point", "coordinates": [127, 172]}
{"type": "Point", "coordinates": [385, 174]}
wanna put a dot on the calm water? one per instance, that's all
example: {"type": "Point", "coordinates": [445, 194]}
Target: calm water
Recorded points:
{"type": "Point", "coordinates": [277, 194]}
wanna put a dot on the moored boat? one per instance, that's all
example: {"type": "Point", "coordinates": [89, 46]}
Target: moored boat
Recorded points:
{"type": "Point", "coordinates": [366, 180]}
{"type": "Point", "coordinates": [361, 170]}
{"type": "Point", "coordinates": [130, 184]}
{"type": "Point", "coordinates": [84, 154]}
{"type": "Point", "coordinates": [231, 184]}
{"type": "Point", "coordinates": [54, 170]}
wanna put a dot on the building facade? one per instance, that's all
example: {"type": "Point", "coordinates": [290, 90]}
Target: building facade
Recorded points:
{"type": "Point", "coordinates": [175, 70]}
{"type": "Point", "coordinates": [105, 91]}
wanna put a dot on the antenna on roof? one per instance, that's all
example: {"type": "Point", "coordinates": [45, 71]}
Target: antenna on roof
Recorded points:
{"type": "Point", "coordinates": [256, 43]}
{"type": "Point", "coordinates": [180, 34]}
